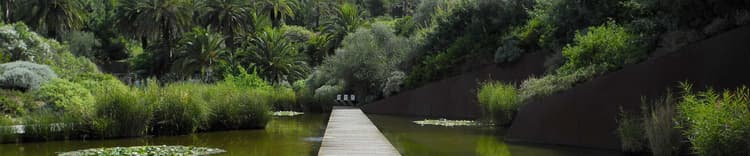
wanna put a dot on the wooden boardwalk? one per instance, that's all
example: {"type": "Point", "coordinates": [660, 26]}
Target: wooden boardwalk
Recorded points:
{"type": "Point", "coordinates": [351, 133]}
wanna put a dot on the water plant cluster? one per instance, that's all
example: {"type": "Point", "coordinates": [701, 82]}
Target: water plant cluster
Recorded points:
{"type": "Point", "coordinates": [162, 150]}
{"type": "Point", "coordinates": [446, 122]}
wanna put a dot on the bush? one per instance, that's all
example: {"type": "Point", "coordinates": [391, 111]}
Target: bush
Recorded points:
{"type": "Point", "coordinates": [11, 107]}
{"type": "Point", "coordinates": [181, 110]}
{"type": "Point", "coordinates": [499, 100]}
{"type": "Point", "coordinates": [324, 96]}
{"type": "Point", "coordinates": [297, 34]}
{"type": "Point", "coordinates": [609, 45]}
{"type": "Point", "coordinates": [660, 129]}
{"type": "Point", "coordinates": [24, 75]}
{"type": "Point", "coordinates": [717, 123]}
{"type": "Point", "coordinates": [630, 132]}
{"type": "Point", "coordinates": [393, 84]}
{"type": "Point", "coordinates": [65, 96]}
{"type": "Point", "coordinates": [365, 60]}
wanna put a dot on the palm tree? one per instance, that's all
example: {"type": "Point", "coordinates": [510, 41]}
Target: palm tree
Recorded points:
{"type": "Point", "coordinates": [229, 17]}
{"type": "Point", "coordinates": [277, 10]}
{"type": "Point", "coordinates": [199, 51]}
{"type": "Point", "coordinates": [55, 16]}
{"type": "Point", "coordinates": [346, 19]}
{"type": "Point", "coordinates": [276, 58]}
{"type": "Point", "coordinates": [147, 19]}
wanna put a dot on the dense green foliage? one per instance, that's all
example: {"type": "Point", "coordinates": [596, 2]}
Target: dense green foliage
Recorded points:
{"type": "Point", "coordinates": [717, 123]}
{"type": "Point", "coordinates": [65, 96]}
{"type": "Point", "coordinates": [499, 100]}
{"type": "Point", "coordinates": [602, 49]}
{"type": "Point", "coordinates": [365, 62]}
{"type": "Point", "coordinates": [608, 45]}
{"type": "Point", "coordinates": [465, 38]}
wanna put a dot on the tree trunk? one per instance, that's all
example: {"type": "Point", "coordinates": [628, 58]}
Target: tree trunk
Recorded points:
{"type": "Point", "coordinates": [6, 10]}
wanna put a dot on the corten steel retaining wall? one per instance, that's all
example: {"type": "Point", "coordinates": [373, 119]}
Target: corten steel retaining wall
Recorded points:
{"type": "Point", "coordinates": [585, 114]}
{"type": "Point", "coordinates": [455, 98]}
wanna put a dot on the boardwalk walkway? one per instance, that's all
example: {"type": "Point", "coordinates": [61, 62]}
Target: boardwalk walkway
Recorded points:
{"type": "Point", "coordinates": [351, 133]}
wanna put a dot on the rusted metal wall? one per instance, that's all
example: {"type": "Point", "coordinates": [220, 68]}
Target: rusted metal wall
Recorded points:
{"type": "Point", "coordinates": [585, 114]}
{"type": "Point", "coordinates": [455, 98]}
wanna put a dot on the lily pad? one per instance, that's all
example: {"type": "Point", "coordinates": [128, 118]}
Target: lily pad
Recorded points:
{"type": "Point", "coordinates": [162, 150]}
{"type": "Point", "coordinates": [447, 123]}
{"type": "Point", "coordinates": [287, 113]}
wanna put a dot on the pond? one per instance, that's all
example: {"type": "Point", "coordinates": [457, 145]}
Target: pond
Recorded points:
{"type": "Point", "coordinates": [413, 139]}
{"type": "Point", "coordinates": [301, 135]}
{"type": "Point", "coordinates": [283, 136]}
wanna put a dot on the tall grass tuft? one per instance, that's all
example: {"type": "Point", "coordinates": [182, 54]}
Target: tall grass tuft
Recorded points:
{"type": "Point", "coordinates": [630, 132]}
{"type": "Point", "coordinates": [499, 100]}
{"type": "Point", "coordinates": [659, 125]}
{"type": "Point", "coordinates": [120, 111]}
{"type": "Point", "coordinates": [180, 111]}
{"type": "Point", "coordinates": [235, 108]}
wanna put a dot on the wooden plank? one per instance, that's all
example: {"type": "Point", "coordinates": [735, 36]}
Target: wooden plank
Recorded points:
{"type": "Point", "coordinates": [351, 133]}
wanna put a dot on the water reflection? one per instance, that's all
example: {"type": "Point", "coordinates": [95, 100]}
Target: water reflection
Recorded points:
{"type": "Point", "coordinates": [415, 140]}
{"type": "Point", "coordinates": [283, 136]}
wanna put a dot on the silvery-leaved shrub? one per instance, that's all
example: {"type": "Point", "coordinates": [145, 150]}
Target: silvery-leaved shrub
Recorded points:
{"type": "Point", "coordinates": [24, 75]}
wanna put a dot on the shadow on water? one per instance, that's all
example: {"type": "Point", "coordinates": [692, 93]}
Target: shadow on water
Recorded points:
{"type": "Point", "coordinates": [283, 136]}
{"type": "Point", "coordinates": [415, 140]}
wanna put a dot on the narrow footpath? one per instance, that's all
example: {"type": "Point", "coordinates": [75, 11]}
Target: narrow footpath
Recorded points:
{"type": "Point", "coordinates": [351, 133]}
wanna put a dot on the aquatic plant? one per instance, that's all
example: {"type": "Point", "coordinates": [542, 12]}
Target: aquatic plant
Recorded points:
{"type": "Point", "coordinates": [446, 122]}
{"type": "Point", "coordinates": [145, 150]}
{"type": "Point", "coordinates": [499, 100]}
{"type": "Point", "coordinates": [287, 113]}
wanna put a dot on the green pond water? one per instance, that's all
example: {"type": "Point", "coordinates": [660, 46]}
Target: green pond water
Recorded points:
{"type": "Point", "coordinates": [301, 135]}
{"type": "Point", "coordinates": [414, 140]}
{"type": "Point", "coordinates": [283, 136]}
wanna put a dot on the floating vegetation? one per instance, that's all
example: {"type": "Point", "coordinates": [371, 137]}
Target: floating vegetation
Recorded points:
{"type": "Point", "coordinates": [287, 113]}
{"type": "Point", "coordinates": [162, 150]}
{"type": "Point", "coordinates": [447, 123]}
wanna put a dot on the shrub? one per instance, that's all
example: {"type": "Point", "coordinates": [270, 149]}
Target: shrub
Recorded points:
{"type": "Point", "coordinates": [508, 52]}
{"type": "Point", "coordinates": [630, 132]}
{"type": "Point", "coordinates": [609, 45]}
{"type": "Point", "coordinates": [365, 60]}
{"type": "Point", "coordinates": [499, 100]}
{"type": "Point", "coordinates": [324, 96]}
{"type": "Point", "coordinates": [660, 129]}
{"type": "Point", "coordinates": [717, 123]}
{"type": "Point", "coordinates": [393, 84]}
{"type": "Point", "coordinates": [297, 34]}
{"type": "Point", "coordinates": [24, 75]}
{"type": "Point", "coordinates": [65, 96]}
{"type": "Point", "coordinates": [23, 44]}
{"type": "Point", "coordinates": [11, 107]}
{"type": "Point", "coordinates": [180, 110]}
